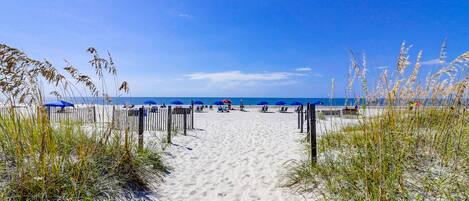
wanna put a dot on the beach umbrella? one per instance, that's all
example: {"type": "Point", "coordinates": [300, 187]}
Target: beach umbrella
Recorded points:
{"type": "Point", "coordinates": [280, 103]}
{"type": "Point", "coordinates": [59, 103]}
{"type": "Point", "coordinates": [296, 103]}
{"type": "Point", "coordinates": [149, 102]}
{"type": "Point", "coordinates": [218, 103]}
{"type": "Point", "coordinates": [262, 103]}
{"type": "Point", "coordinates": [198, 102]}
{"type": "Point", "coordinates": [226, 101]}
{"type": "Point", "coordinates": [177, 102]}
{"type": "Point", "coordinates": [318, 103]}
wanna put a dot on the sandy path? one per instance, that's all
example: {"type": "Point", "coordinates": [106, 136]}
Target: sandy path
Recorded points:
{"type": "Point", "coordinates": [235, 156]}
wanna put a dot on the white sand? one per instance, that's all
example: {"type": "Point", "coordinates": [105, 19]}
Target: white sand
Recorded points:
{"type": "Point", "coordinates": [236, 156]}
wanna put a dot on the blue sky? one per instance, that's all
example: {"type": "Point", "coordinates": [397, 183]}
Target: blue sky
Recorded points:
{"type": "Point", "coordinates": [234, 48]}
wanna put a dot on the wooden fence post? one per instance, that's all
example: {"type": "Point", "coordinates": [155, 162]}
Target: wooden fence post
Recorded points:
{"type": "Point", "coordinates": [169, 125]}
{"type": "Point", "coordinates": [140, 128]}
{"type": "Point", "coordinates": [113, 117]}
{"type": "Point", "coordinates": [298, 111]}
{"type": "Point", "coordinates": [312, 136]}
{"type": "Point", "coordinates": [185, 121]}
{"type": "Point", "coordinates": [192, 114]}
{"type": "Point", "coordinates": [308, 117]}
{"type": "Point", "coordinates": [302, 120]}
{"type": "Point", "coordinates": [48, 112]}
{"type": "Point", "coordinates": [94, 113]}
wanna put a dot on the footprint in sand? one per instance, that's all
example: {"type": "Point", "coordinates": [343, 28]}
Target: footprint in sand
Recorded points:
{"type": "Point", "coordinates": [232, 162]}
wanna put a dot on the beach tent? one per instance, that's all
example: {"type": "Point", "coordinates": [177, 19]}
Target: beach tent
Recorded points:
{"type": "Point", "coordinates": [218, 103]}
{"type": "Point", "coordinates": [263, 103]}
{"type": "Point", "coordinates": [226, 101]}
{"type": "Point", "coordinates": [177, 102]}
{"type": "Point", "coordinates": [59, 103]}
{"type": "Point", "coordinates": [149, 102]}
{"type": "Point", "coordinates": [280, 103]}
{"type": "Point", "coordinates": [296, 103]}
{"type": "Point", "coordinates": [198, 102]}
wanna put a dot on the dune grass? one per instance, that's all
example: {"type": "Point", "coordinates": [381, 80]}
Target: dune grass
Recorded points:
{"type": "Point", "coordinates": [41, 160]}
{"type": "Point", "coordinates": [401, 154]}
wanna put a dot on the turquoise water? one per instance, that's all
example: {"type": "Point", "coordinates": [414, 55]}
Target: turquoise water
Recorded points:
{"type": "Point", "coordinates": [211, 100]}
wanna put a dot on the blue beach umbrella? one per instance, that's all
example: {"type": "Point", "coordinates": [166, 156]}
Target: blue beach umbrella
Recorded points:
{"type": "Point", "coordinates": [177, 102]}
{"type": "Point", "coordinates": [149, 102]}
{"type": "Point", "coordinates": [280, 103]}
{"type": "Point", "coordinates": [59, 103]}
{"type": "Point", "coordinates": [263, 103]}
{"type": "Point", "coordinates": [198, 102]}
{"type": "Point", "coordinates": [218, 103]}
{"type": "Point", "coordinates": [296, 103]}
{"type": "Point", "coordinates": [318, 103]}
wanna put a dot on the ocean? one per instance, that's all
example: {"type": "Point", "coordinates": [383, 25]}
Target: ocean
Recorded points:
{"type": "Point", "coordinates": [211, 100]}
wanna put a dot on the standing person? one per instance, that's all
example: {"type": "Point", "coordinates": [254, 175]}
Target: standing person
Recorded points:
{"type": "Point", "coordinates": [241, 106]}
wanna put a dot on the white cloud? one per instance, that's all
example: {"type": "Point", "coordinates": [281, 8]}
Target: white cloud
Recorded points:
{"type": "Point", "coordinates": [234, 79]}
{"type": "Point", "coordinates": [240, 76]}
{"type": "Point", "coordinates": [305, 69]}
{"type": "Point", "coordinates": [308, 71]}
{"type": "Point", "coordinates": [185, 15]}
{"type": "Point", "coordinates": [432, 62]}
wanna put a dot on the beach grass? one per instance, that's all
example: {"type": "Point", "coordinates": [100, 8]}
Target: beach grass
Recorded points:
{"type": "Point", "coordinates": [404, 153]}
{"type": "Point", "coordinates": [67, 160]}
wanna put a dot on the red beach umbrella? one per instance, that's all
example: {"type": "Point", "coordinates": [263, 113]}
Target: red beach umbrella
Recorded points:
{"type": "Point", "coordinates": [226, 101]}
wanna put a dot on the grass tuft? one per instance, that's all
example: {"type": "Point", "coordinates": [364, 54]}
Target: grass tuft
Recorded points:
{"type": "Point", "coordinates": [404, 152]}
{"type": "Point", "coordinates": [69, 160]}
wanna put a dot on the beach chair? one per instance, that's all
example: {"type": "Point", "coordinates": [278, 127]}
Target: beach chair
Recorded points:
{"type": "Point", "coordinates": [348, 111]}
{"type": "Point", "coordinates": [262, 109]}
{"type": "Point", "coordinates": [297, 109]}
{"type": "Point", "coordinates": [133, 112]}
{"type": "Point", "coordinates": [241, 108]}
{"type": "Point", "coordinates": [265, 108]}
{"type": "Point", "coordinates": [154, 109]}
{"type": "Point", "coordinates": [284, 110]}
